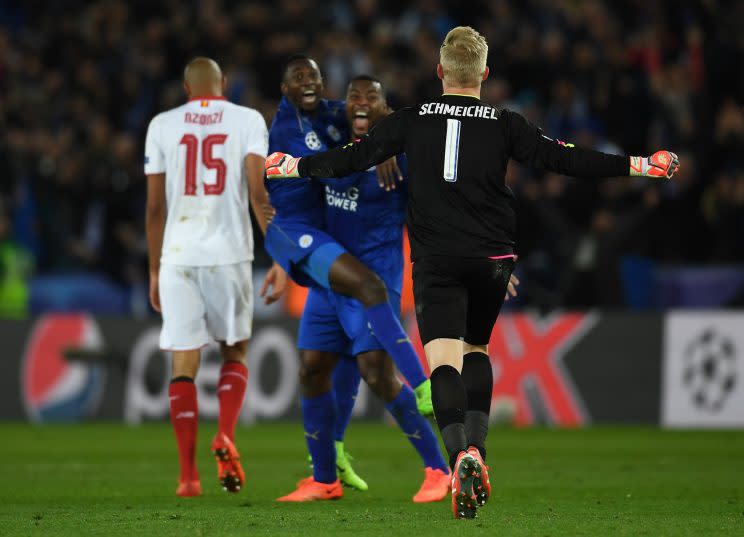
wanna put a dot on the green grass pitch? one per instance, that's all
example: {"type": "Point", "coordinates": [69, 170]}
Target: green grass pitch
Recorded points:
{"type": "Point", "coordinates": [111, 480]}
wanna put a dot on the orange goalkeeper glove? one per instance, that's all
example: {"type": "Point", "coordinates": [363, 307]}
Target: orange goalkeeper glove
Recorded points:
{"type": "Point", "coordinates": [661, 165]}
{"type": "Point", "coordinates": [282, 166]}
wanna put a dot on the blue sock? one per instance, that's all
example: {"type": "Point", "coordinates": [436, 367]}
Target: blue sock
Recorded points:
{"type": "Point", "coordinates": [318, 418]}
{"type": "Point", "coordinates": [390, 334]}
{"type": "Point", "coordinates": [346, 379]}
{"type": "Point", "coordinates": [417, 429]}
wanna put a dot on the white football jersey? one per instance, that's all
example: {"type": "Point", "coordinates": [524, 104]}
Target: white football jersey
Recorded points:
{"type": "Point", "coordinates": [201, 147]}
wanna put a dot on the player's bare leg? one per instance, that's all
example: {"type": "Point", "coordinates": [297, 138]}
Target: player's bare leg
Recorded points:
{"type": "Point", "coordinates": [450, 400]}
{"type": "Point", "coordinates": [349, 276]}
{"type": "Point", "coordinates": [318, 417]}
{"type": "Point", "coordinates": [231, 393]}
{"type": "Point", "coordinates": [379, 373]}
{"type": "Point", "coordinates": [184, 413]}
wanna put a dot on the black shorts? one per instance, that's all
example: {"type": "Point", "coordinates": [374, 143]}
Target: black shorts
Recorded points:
{"type": "Point", "coordinates": [459, 298]}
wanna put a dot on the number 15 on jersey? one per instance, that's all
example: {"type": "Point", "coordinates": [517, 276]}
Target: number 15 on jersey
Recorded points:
{"type": "Point", "coordinates": [209, 161]}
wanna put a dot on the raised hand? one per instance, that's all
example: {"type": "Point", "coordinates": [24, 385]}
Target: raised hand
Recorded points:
{"type": "Point", "coordinates": [662, 165]}
{"type": "Point", "coordinates": [281, 166]}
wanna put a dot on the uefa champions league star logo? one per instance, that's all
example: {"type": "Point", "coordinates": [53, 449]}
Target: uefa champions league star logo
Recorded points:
{"type": "Point", "coordinates": [312, 141]}
{"type": "Point", "coordinates": [710, 370]}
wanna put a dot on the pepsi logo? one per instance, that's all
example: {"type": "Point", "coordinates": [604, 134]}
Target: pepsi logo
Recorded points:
{"type": "Point", "coordinates": [54, 389]}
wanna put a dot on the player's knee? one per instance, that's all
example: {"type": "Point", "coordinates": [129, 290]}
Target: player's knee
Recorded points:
{"type": "Point", "coordinates": [380, 378]}
{"type": "Point", "coordinates": [308, 373]}
{"type": "Point", "coordinates": [467, 348]}
{"type": "Point", "coordinates": [373, 377]}
{"type": "Point", "coordinates": [185, 363]}
{"type": "Point", "coordinates": [372, 291]}
{"type": "Point", "coordinates": [314, 371]}
{"type": "Point", "coordinates": [237, 352]}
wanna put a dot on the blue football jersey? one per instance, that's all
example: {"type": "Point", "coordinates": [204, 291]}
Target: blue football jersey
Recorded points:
{"type": "Point", "coordinates": [368, 221]}
{"type": "Point", "coordinates": [301, 134]}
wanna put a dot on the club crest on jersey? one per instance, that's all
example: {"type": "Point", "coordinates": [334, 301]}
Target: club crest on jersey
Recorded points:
{"type": "Point", "coordinates": [312, 141]}
{"type": "Point", "coordinates": [305, 241]}
{"type": "Point", "coordinates": [204, 104]}
{"type": "Point", "coordinates": [334, 133]}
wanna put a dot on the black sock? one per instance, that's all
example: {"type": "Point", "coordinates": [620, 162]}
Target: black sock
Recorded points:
{"type": "Point", "coordinates": [182, 379]}
{"type": "Point", "coordinates": [477, 376]}
{"type": "Point", "coordinates": [450, 403]}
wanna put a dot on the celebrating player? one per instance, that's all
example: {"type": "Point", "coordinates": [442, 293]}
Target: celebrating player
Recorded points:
{"type": "Point", "coordinates": [306, 124]}
{"type": "Point", "coordinates": [200, 248]}
{"type": "Point", "coordinates": [461, 224]}
{"type": "Point", "coordinates": [368, 222]}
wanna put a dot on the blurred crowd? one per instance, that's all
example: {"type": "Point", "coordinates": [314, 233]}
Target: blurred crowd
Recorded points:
{"type": "Point", "coordinates": [80, 80]}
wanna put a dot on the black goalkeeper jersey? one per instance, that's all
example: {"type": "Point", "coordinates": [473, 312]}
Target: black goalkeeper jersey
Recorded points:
{"type": "Point", "coordinates": [458, 148]}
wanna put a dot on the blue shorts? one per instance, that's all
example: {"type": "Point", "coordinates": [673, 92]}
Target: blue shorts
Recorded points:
{"type": "Point", "coordinates": [305, 252]}
{"type": "Point", "coordinates": [337, 323]}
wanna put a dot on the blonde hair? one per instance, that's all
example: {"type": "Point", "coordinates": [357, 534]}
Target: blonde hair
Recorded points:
{"type": "Point", "coordinates": [463, 57]}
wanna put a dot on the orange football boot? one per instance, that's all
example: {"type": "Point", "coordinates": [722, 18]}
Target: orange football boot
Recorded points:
{"type": "Point", "coordinates": [188, 488]}
{"type": "Point", "coordinates": [304, 481]}
{"type": "Point", "coordinates": [309, 490]}
{"type": "Point", "coordinates": [467, 471]}
{"type": "Point", "coordinates": [481, 486]}
{"type": "Point", "coordinates": [435, 486]}
{"type": "Point", "coordinates": [229, 471]}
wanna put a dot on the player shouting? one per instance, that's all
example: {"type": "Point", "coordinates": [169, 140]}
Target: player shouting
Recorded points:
{"type": "Point", "coordinates": [200, 248]}
{"type": "Point", "coordinates": [306, 124]}
{"type": "Point", "coordinates": [461, 223]}
{"type": "Point", "coordinates": [368, 222]}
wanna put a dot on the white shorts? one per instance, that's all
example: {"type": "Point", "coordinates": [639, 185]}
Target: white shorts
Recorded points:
{"type": "Point", "coordinates": [202, 302]}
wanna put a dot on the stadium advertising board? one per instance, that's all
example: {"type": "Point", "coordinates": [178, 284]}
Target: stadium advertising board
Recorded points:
{"type": "Point", "coordinates": [55, 389]}
{"type": "Point", "coordinates": [74, 367]}
{"type": "Point", "coordinates": [703, 370]}
{"type": "Point", "coordinates": [565, 369]}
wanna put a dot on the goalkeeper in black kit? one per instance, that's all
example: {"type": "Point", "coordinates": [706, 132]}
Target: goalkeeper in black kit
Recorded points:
{"type": "Point", "coordinates": [462, 229]}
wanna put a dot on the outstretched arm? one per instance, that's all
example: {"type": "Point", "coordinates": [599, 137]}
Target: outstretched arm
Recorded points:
{"type": "Point", "coordinates": [384, 141]}
{"type": "Point", "coordinates": [528, 145]}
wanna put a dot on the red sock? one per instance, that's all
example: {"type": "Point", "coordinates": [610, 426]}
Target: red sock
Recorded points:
{"type": "Point", "coordinates": [231, 391]}
{"type": "Point", "coordinates": [184, 414]}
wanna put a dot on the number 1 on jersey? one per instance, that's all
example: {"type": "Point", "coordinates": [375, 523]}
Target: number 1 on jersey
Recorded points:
{"type": "Point", "coordinates": [210, 162]}
{"type": "Point", "coordinates": [451, 150]}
